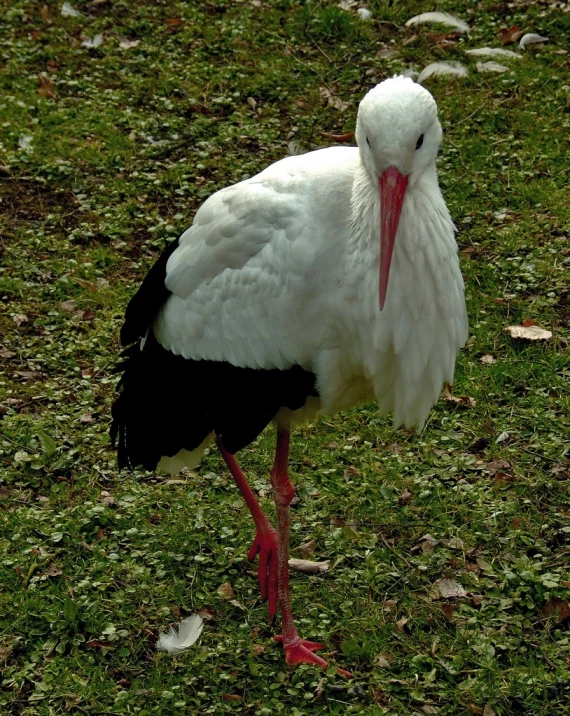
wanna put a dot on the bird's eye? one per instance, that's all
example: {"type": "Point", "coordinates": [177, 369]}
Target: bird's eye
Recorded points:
{"type": "Point", "coordinates": [420, 141]}
{"type": "Point", "coordinates": [368, 142]}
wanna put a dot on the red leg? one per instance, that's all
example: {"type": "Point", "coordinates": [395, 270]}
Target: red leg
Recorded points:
{"type": "Point", "coordinates": [297, 650]}
{"type": "Point", "coordinates": [265, 543]}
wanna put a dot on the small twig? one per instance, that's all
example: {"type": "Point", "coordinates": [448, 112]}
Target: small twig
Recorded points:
{"type": "Point", "coordinates": [391, 549]}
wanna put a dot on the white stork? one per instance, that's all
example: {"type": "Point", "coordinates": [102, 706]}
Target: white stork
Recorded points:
{"type": "Point", "coordinates": [327, 280]}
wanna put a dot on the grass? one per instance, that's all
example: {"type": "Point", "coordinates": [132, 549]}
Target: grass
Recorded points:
{"type": "Point", "coordinates": [97, 171]}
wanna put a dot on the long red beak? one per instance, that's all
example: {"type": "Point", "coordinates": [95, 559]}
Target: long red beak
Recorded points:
{"type": "Point", "coordinates": [392, 190]}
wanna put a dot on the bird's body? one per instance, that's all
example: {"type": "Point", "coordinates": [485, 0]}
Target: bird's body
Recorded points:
{"type": "Point", "coordinates": [267, 308]}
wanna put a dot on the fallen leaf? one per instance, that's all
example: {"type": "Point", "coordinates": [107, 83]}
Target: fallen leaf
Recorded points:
{"type": "Point", "coordinates": [68, 305]}
{"type": "Point", "coordinates": [53, 570]}
{"type": "Point", "coordinates": [529, 333]}
{"type": "Point", "coordinates": [556, 608]}
{"type": "Point", "coordinates": [305, 565]}
{"type": "Point", "coordinates": [7, 354]}
{"type": "Point", "coordinates": [258, 649]}
{"type": "Point", "coordinates": [330, 98]}
{"type": "Point", "coordinates": [251, 102]}
{"type": "Point", "coordinates": [382, 661]}
{"type": "Point", "coordinates": [107, 499]}
{"type": "Point", "coordinates": [465, 401]}
{"type": "Point", "coordinates": [401, 625]}
{"type": "Point", "coordinates": [528, 322]}
{"type": "Point", "coordinates": [232, 697]}
{"type": "Point", "coordinates": [225, 591]}
{"type": "Point", "coordinates": [495, 465]}
{"type": "Point", "coordinates": [97, 644]}
{"type": "Point", "coordinates": [488, 710]}
{"type": "Point", "coordinates": [173, 21]}
{"type": "Point", "coordinates": [389, 604]}
{"type": "Point", "coordinates": [488, 359]}
{"type": "Point", "coordinates": [20, 318]}
{"type": "Point", "coordinates": [207, 613]}
{"type": "Point", "coordinates": [531, 38]}
{"type": "Point", "coordinates": [428, 544]}
{"type": "Point", "coordinates": [449, 610]}
{"type": "Point", "coordinates": [477, 600]}
{"type": "Point", "coordinates": [406, 497]}
{"type": "Point", "coordinates": [307, 549]}
{"type": "Point", "coordinates": [86, 418]}
{"type": "Point", "coordinates": [235, 603]}
{"type": "Point", "coordinates": [509, 35]}
{"type": "Point", "coordinates": [450, 589]}
{"type": "Point", "coordinates": [44, 13]}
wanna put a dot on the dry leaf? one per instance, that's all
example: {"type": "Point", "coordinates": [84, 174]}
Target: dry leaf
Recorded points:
{"type": "Point", "coordinates": [332, 99]}
{"type": "Point", "coordinates": [68, 305]}
{"type": "Point", "coordinates": [305, 565]}
{"type": "Point", "coordinates": [401, 625]}
{"type": "Point", "coordinates": [531, 38]}
{"type": "Point", "coordinates": [509, 35]}
{"type": "Point", "coordinates": [46, 88]}
{"type": "Point", "coordinates": [488, 710]}
{"type": "Point", "coordinates": [20, 318]}
{"type": "Point", "coordinates": [495, 465]}
{"type": "Point", "coordinates": [406, 497]}
{"type": "Point", "coordinates": [258, 649]}
{"type": "Point", "coordinates": [86, 418]}
{"type": "Point", "coordinates": [173, 21]}
{"type": "Point", "coordinates": [450, 589]}
{"type": "Point", "coordinates": [488, 359]}
{"type": "Point", "coordinates": [44, 12]}
{"type": "Point", "coordinates": [7, 354]}
{"type": "Point", "coordinates": [529, 333]}
{"type": "Point", "coordinates": [307, 549]}
{"type": "Point", "coordinates": [107, 498]}
{"type": "Point", "coordinates": [477, 600]}
{"type": "Point", "coordinates": [97, 644]}
{"type": "Point", "coordinates": [463, 401]}
{"type": "Point", "coordinates": [67, 10]}
{"type": "Point", "coordinates": [382, 661]}
{"type": "Point", "coordinates": [235, 603]}
{"type": "Point", "coordinates": [428, 544]}
{"type": "Point", "coordinates": [556, 608]}
{"type": "Point", "coordinates": [53, 570]}
{"type": "Point", "coordinates": [207, 613]}
{"type": "Point", "coordinates": [251, 102]}
{"type": "Point", "coordinates": [226, 591]}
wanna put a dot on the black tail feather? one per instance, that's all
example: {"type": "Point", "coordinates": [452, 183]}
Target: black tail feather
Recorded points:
{"type": "Point", "coordinates": [167, 403]}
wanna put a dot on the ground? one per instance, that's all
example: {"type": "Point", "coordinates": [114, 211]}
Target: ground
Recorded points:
{"type": "Point", "coordinates": [106, 152]}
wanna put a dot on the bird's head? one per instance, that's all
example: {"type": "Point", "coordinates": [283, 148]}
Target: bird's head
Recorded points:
{"type": "Point", "coordinates": [398, 136]}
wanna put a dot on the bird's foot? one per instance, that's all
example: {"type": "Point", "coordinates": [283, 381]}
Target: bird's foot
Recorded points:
{"type": "Point", "coordinates": [265, 545]}
{"type": "Point", "coordinates": [302, 652]}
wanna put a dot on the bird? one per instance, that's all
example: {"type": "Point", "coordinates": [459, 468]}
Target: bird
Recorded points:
{"type": "Point", "coordinates": [328, 280]}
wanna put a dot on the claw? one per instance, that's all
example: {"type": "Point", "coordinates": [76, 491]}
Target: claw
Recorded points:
{"type": "Point", "coordinates": [301, 652]}
{"type": "Point", "coordinates": [265, 545]}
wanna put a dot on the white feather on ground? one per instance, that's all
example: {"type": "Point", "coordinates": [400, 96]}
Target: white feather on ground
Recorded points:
{"type": "Point", "coordinates": [364, 13]}
{"type": "Point", "coordinates": [493, 52]}
{"type": "Point", "coordinates": [491, 67]}
{"type": "Point", "coordinates": [442, 68]}
{"type": "Point", "coordinates": [531, 38]}
{"type": "Point", "coordinates": [442, 18]}
{"type": "Point", "coordinates": [188, 633]}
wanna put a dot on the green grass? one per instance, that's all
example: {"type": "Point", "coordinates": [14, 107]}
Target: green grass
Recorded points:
{"type": "Point", "coordinates": [120, 158]}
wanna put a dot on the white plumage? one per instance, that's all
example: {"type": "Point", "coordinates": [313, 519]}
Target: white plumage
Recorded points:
{"type": "Point", "coordinates": [327, 280]}
{"type": "Point", "coordinates": [282, 269]}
